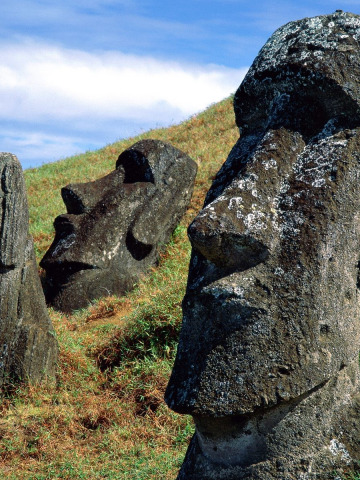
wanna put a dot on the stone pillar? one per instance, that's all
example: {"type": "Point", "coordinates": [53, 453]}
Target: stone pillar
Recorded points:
{"type": "Point", "coordinates": [28, 348]}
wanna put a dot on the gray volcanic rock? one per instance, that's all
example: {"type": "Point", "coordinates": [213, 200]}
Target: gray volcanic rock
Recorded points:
{"type": "Point", "coordinates": [115, 226]}
{"type": "Point", "coordinates": [28, 348]}
{"type": "Point", "coordinates": [267, 362]}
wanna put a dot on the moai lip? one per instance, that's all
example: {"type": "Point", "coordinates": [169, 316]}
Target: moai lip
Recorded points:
{"type": "Point", "coordinates": [115, 227]}
{"type": "Point", "coordinates": [267, 362]}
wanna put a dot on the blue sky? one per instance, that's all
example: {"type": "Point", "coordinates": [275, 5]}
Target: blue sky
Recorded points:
{"type": "Point", "coordinates": [76, 75]}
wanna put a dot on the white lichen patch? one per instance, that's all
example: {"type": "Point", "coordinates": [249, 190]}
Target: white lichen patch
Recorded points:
{"type": "Point", "coordinates": [238, 291]}
{"type": "Point", "coordinates": [319, 182]}
{"type": "Point", "coordinates": [284, 186]}
{"type": "Point", "coordinates": [208, 212]}
{"type": "Point", "coordinates": [338, 448]}
{"type": "Point", "coordinates": [291, 223]}
{"type": "Point", "coordinates": [318, 160]}
{"type": "Point", "coordinates": [255, 221]}
{"type": "Point", "coordinates": [247, 182]}
{"type": "Point", "coordinates": [110, 254]}
{"type": "Point", "coordinates": [235, 203]}
{"type": "Point", "coordinates": [270, 163]}
{"type": "Point", "coordinates": [64, 245]}
{"type": "Point", "coordinates": [225, 290]}
{"type": "Point", "coordinates": [279, 271]}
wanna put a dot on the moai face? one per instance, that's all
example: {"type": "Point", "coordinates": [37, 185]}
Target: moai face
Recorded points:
{"type": "Point", "coordinates": [114, 226]}
{"type": "Point", "coordinates": [271, 311]}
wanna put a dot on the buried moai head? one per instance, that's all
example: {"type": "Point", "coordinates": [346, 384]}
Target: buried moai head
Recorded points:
{"type": "Point", "coordinates": [28, 348]}
{"type": "Point", "coordinates": [271, 312]}
{"type": "Point", "coordinates": [115, 226]}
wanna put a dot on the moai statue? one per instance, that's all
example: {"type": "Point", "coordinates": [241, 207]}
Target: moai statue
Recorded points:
{"type": "Point", "coordinates": [115, 226]}
{"type": "Point", "coordinates": [28, 348]}
{"type": "Point", "coordinates": [268, 358]}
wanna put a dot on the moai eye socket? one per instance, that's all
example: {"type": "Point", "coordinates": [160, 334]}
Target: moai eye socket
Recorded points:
{"type": "Point", "coordinates": [135, 165]}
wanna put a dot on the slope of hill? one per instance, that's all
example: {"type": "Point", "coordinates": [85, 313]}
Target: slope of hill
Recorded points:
{"type": "Point", "coordinates": [104, 417]}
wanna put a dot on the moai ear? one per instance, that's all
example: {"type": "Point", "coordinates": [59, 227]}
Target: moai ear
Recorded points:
{"type": "Point", "coordinates": [160, 214]}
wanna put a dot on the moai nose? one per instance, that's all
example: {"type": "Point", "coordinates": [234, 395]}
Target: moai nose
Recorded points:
{"type": "Point", "coordinates": [223, 242]}
{"type": "Point", "coordinates": [82, 197]}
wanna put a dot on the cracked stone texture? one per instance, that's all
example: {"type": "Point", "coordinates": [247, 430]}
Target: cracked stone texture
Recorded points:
{"type": "Point", "coordinates": [115, 226]}
{"type": "Point", "coordinates": [267, 361]}
{"type": "Point", "coordinates": [28, 348]}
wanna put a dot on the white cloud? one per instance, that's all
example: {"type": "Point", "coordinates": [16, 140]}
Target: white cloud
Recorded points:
{"type": "Point", "coordinates": [38, 147]}
{"type": "Point", "coordinates": [57, 101]}
{"type": "Point", "coordinates": [40, 81]}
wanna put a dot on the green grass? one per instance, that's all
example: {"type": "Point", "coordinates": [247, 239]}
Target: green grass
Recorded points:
{"type": "Point", "coordinates": [348, 476]}
{"type": "Point", "coordinates": [104, 417]}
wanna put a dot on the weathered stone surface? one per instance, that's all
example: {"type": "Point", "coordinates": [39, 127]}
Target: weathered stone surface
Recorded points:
{"type": "Point", "coordinates": [307, 438]}
{"type": "Point", "coordinates": [28, 348]}
{"type": "Point", "coordinates": [115, 226]}
{"type": "Point", "coordinates": [267, 362]}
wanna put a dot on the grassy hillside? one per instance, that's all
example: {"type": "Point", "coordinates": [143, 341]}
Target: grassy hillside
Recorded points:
{"type": "Point", "coordinates": [104, 417]}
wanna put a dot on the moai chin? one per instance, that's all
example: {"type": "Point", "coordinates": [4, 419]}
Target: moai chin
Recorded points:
{"type": "Point", "coordinates": [28, 348]}
{"type": "Point", "coordinates": [268, 358]}
{"type": "Point", "coordinates": [115, 226]}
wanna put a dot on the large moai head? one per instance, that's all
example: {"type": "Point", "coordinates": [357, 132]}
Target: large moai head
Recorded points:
{"type": "Point", "coordinates": [115, 226]}
{"type": "Point", "coordinates": [267, 361]}
{"type": "Point", "coordinates": [28, 348]}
